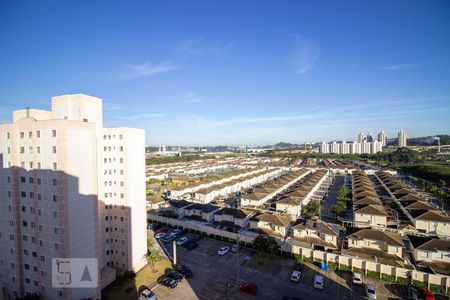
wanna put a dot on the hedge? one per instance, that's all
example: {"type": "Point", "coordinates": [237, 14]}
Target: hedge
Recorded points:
{"type": "Point", "coordinates": [439, 289]}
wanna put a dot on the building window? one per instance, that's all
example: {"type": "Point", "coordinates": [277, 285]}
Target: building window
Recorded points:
{"type": "Point", "coordinates": [9, 150]}
{"type": "Point", "coordinates": [55, 214]}
{"type": "Point", "coordinates": [53, 133]}
{"type": "Point", "coordinates": [56, 230]}
{"type": "Point", "coordinates": [55, 166]}
{"type": "Point", "coordinates": [22, 149]}
{"type": "Point", "coordinates": [55, 182]}
{"type": "Point", "coordinates": [23, 194]}
{"type": "Point", "coordinates": [38, 181]}
{"type": "Point", "coordinates": [30, 134]}
{"type": "Point", "coordinates": [22, 179]}
{"type": "Point", "coordinates": [39, 197]}
{"type": "Point", "coordinates": [22, 135]}
{"type": "Point", "coordinates": [38, 134]}
{"type": "Point", "coordinates": [54, 149]}
{"type": "Point", "coordinates": [22, 164]}
{"type": "Point", "coordinates": [30, 150]}
{"type": "Point", "coordinates": [38, 149]}
{"type": "Point", "coordinates": [121, 149]}
{"type": "Point", "coordinates": [8, 135]}
{"type": "Point", "coordinates": [31, 180]}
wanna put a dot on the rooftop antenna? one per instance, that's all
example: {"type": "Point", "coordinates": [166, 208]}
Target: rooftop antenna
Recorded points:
{"type": "Point", "coordinates": [28, 112]}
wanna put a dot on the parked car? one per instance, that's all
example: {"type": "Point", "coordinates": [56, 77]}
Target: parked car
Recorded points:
{"type": "Point", "coordinates": [295, 276]}
{"type": "Point", "coordinates": [174, 275]}
{"type": "Point", "coordinates": [153, 226]}
{"type": "Point", "coordinates": [357, 278]}
{"type": "Point", "coordinates": [183, 270]}
{"type": "Point", "coordinates": [371, 292]}
{"type": "Point", "coordinates": [163, 229]}
{"type": "Point", "coordinates": [176, 232]}
{"type": "Point", "coordinates": [223, 250]}
{"type": "Point", "coordinates": [290, 298]}
{"type": "Point", "coordinates": [196, 238]}
{"type": "Point", "coordinates": [318, 281]}
{"type": "Point", "coordinates": [160, 235]}
{"type": "Point", "coordinates": [248, 287]}
{"type": "Point", "coordinates": [169, 237]}
{"type": "Point", "coordinates": [182, 241]}
{"type": "Point", "coordinates": [298, 267]}
{"type": "Point", "coordinates": [235, 248]}
{"type": "Point", "coordinates": [190, 245]}
{"type": "Point", "coordinates": [426, 294]}
{"type": "Point", "coordinates": [167, 281]}
{"type": "Point", "coordinates": [147, 295]}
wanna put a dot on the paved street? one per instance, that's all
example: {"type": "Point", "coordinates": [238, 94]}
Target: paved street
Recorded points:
{"type": "Point", "coordinates": [326, 215]}
{"type": "Point", "coordinates": [215, 278]}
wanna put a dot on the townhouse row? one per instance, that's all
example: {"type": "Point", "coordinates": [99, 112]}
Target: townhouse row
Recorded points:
{"type": "Point", "coordinates": [368, 210]}
{"type": "Point", "coordinates": [179, 191]}
{"type": "Point", "coordinates": [206, 195]}
{"type": "Point", "coordinates": [269, 190]}
{"type": "Point", "coordinates": [424, 217]}
{"type": "Point", "coordinates": [294, 200]}
{"type": "Point", "coordinates": [294, 235]}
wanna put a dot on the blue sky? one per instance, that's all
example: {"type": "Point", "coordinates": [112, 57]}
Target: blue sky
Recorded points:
{"type": "Point", "coordinates": [235, 72]}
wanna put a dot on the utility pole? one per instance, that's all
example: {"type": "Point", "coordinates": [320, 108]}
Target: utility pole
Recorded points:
{"type": "Point", "coordinates": [238, 260]}
{"type": "Point", "coordinates": [174, 246]}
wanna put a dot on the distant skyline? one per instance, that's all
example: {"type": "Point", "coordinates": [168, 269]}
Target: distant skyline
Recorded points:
{"type": "Point", "coordinates": [235, 72]}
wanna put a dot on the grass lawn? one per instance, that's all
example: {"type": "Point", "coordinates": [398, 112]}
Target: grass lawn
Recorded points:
{"type": "Point", "coordinates": [262, 262]}
{"type": "Point", "coordinates": [123, 289]}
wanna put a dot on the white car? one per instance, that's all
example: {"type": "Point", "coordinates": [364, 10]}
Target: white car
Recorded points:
{"type": "Point", "coordinates": [235, 248]}
{"type": "Point", "coordinates": [318, 281]}
{"type": "Point", "coordinates": [183, 240]}
{"type": "Point", "coordinates": [223, 250]}
{"type": "Point", "coordinates": [295, 276]}
{"type": "Point", "coordinates": [160, 235]}
{"type": "Point", "coordinates": [147, 295]}
{"type": "Point", "coordinates": [371, 292]}
{"type": "Point", "coordinates": [357, 279]}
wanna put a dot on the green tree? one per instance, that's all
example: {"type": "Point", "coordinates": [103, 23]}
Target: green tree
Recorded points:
{"type": "Point", "coordinates": [342, 193]}
{"type": "Point", "coordinates": [153, 258]}
{"type": "Point", "coordinates": [265, 244]}
{"type": "Point", "coordinates": [338, 208]}
{"type": "Point", "coordinates": [150, 244]}
{"type": "Point", "coordinates": [312, 208]}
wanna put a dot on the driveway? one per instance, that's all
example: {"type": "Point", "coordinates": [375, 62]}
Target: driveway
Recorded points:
{"type": "Point", "coordinates": [326, 215]}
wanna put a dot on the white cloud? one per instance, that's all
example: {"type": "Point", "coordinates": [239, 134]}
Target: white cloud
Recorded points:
{"type": "Point", "coordinates": [400, 66]}
{"type": "Point", "coordinates": [140, 116]}
{"type": "Point", "coordinates": [149, 69]}
{"type": "Point", "coordinates": [304, 55]}
{"type": "Point", "coordinates": [199, 46]}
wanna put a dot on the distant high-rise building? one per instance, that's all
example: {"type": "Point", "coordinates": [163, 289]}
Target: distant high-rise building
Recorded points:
{"type": "Point", "coordinates": [69, 188]}
{"type": "Point", "coordinates": [369, 137]}
{"type": "Point", "coordinates": [361, 137]}
{"type": "Point", "coordinates": [324, 147]}
{"type": "Point", "coordinates": [382, 138]}
{"type": "Point", "coordinates": [402, 139]}
{"type": "Point", "coordinates": [376, 147]}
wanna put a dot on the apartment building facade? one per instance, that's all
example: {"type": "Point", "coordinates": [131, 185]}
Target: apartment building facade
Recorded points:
{"type": "Point", "coordinates": [70, 189]}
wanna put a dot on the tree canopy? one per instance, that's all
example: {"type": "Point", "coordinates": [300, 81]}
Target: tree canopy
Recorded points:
{"type": "Point", "coordinates": [266, 243]}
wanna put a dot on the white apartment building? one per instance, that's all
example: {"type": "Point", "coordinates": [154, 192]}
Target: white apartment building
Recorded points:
{"type": "Point", "coordinates": [351, 148]}
{"type": "Point", "coordinates": [402, 139]}
{"type": "Point", "coordinates": [361, 137]}
{"type": "Point", "coordinates": [382, 137]}
{"type": "Point", "coordinates": [69, 189]}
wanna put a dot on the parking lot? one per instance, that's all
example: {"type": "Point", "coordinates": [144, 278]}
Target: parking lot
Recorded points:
{"type": "Point", "coordinates": [215, 278]}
